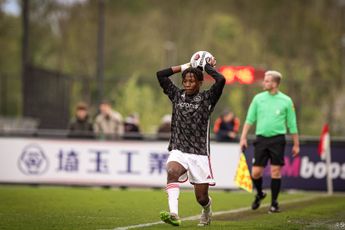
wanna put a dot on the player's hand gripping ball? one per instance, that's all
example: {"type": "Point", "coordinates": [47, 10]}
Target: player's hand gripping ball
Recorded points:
{"type": "Point", "coordinates": [200, 58]}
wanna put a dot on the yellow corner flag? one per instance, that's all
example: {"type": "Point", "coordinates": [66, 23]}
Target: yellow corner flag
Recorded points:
{"type": "Point", "coordinates": [242, 177]}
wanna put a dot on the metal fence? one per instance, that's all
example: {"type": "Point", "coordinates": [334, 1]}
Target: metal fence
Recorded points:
{"type": "Point", "coordinates": [46, 97]}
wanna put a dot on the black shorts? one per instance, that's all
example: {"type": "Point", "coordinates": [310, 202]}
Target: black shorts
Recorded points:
{"type": "Point", "coordinates": [266, 148]}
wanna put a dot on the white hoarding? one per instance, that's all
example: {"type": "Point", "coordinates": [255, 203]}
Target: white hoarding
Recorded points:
{"type": "Point", "coordinates": [104, 163]}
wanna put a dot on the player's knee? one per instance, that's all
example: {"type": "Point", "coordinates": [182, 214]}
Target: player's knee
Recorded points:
{"type": "Point", "coordinates": [256, 174]}
{"type": "Point", "coordinates": [173, 174]}
{"type": "Point", "coordinates": [275, 172]}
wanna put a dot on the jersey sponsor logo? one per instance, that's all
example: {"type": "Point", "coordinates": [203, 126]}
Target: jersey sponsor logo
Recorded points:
{"type": "Point", "coordinates": [188, 105]}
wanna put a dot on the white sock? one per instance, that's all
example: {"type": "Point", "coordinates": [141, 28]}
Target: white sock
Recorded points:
{"type": "Point", "coordinates": [173, 190]}
{"type": "Point", "coordinates": [208, 206]}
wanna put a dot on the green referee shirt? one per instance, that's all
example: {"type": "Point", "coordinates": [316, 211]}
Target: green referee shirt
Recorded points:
{"type": "Point", "coordinates": [273, 114]}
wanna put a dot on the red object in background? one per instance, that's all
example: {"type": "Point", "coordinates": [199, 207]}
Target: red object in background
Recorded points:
{"type": "Point", "coordinates": [229, 73]}
{"type": "Point", "coordinates": [241, 74]}
{"type": "Point", "coordinates": [324, 144]}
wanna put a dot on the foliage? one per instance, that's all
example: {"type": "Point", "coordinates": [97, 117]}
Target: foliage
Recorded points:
{"type": "Point", "coordinates": [141, 99]}
{"type": "Point", "coordinates": [10, 65]}
{"type": "Point", "coordinates": [302, 39]}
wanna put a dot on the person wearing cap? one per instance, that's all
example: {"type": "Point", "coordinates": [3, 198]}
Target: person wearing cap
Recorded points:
{"type": "Point", "coordinates": [131, 127]}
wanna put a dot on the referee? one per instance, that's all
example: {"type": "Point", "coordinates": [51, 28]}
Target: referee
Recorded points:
{"type": "Point", "coordinates": [273, 112]}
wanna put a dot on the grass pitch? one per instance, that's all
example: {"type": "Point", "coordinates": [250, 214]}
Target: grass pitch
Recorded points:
{"type": "Point", "coordinates": [25, 207]}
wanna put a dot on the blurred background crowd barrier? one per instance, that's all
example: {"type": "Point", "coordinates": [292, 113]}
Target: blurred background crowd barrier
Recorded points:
{"type": "Point", "coordinates": [133, 163]}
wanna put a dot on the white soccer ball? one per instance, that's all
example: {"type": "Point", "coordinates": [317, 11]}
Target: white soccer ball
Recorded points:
{"type": "Point", "coordinates": [198, 60]}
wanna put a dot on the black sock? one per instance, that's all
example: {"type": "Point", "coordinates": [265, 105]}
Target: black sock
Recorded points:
{"type": "Point", "coordinates": [258, 185]}
{"type": "Point", "coordinates": [275, 189]}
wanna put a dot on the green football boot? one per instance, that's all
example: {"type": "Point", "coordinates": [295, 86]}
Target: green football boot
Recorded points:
{"type": "Point", "coordinates": [170, 218]}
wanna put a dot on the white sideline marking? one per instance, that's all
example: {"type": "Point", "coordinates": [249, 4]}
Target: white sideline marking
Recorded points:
{"type": "Point", "coordinates": [216, 213]}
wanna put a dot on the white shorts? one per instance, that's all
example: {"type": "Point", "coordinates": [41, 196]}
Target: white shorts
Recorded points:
{"type": "Point", "coordinates": [198, 167]}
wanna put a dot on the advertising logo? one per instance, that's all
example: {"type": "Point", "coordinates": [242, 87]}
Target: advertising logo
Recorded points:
{"type": "Point", "coordinates": [33, 161]}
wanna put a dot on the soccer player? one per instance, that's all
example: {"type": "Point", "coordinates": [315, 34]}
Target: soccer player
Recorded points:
{"type": "Point", "coordinates": [273, 112]}
{"type": "Point", "coordinates": [189, 143]}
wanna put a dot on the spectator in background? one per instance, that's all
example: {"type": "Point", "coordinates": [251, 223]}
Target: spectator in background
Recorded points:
{"type": "Point", "coordinates": [131, 127]}
{"type": "Point", "coordinates": [226, 127]}
{"type": "Point", "coordinates": [165, 127]}
{"type": "Point", "coordinates": [108, 123]}
{"type": "Point", "coordinates": [81, 126]}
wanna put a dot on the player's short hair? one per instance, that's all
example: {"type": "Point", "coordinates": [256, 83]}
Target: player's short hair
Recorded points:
{"type": "Point", "coordinates": [277, 76]}
{"type": "Point", "coordinates": [195, 71]}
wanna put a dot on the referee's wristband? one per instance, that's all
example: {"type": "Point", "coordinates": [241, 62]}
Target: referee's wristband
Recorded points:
{"type": "Point", "coordinates": [185, 66]}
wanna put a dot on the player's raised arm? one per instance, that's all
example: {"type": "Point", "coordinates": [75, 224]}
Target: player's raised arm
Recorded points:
{"type": "Point", "coordinates": [165, 73]}
{"type": "Point", "coordinates": [217, 87]}
{"type": "Point", "coordinates": [168, 86]}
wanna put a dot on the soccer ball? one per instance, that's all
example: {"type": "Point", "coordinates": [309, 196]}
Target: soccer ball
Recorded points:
{"type": "Point", "coordinates": [198, 60]}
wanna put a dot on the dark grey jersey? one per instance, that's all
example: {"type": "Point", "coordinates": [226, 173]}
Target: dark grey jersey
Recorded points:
{"type": "Point", "coordinates": [190, 121]}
